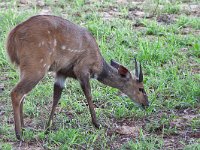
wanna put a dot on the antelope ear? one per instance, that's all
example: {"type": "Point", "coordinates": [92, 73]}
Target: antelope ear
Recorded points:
{"type": "Point", "coordinates": [123, 71]}
{"type": "Point", "coordinates": [114, 64]}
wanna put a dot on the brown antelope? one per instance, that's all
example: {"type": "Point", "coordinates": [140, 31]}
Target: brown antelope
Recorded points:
{"type": "Point", "coordinates": [49, 43]}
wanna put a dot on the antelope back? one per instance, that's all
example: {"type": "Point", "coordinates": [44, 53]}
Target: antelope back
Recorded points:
{"type": "Point", "coordinates": [50, 42]}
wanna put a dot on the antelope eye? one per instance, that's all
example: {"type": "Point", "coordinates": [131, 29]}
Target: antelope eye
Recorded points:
{"type": "Point", "coordinates": [141, 90]}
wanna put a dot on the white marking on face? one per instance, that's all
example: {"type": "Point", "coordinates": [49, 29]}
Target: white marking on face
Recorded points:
{"type": "Point", "coordinates": [63, 47]}
{"type": "Point", "coordinates": [49, 32]}
{"type": "Point", "coordinates": [55, 42]}
{"type": "Point", "coordinates": [60, 80]}
{"type": "Point", "coordinates": [41, 60]}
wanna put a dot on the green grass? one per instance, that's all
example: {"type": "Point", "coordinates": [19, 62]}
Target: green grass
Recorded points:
{"type": "Point", "coordinates": [144, 143]}
{"type": "Point", "coordinates": [170, 62]}
{"type": "Point", "coordinates": [171, 8]}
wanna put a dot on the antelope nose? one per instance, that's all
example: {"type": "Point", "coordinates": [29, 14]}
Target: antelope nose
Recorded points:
{"type": "Point", "coordinates": [145, 105]}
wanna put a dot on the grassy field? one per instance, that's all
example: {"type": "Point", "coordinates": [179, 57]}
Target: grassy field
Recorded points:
{"type": "Point", "coordinates": [163, 35]}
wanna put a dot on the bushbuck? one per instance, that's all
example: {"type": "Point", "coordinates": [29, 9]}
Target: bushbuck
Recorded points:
{"type": "Point", "coordinates": [49, 43]}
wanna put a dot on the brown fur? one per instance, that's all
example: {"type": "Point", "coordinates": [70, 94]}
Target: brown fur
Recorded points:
{"type": "Point", "coordinates": [10, 46]}
{"type": "Point", "coordinates": [23, 43]}
{"type": "Point", "coordinates": [48, 43]}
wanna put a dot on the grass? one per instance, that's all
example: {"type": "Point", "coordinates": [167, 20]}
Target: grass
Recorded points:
{"type": "Point", "coordinates": [171, 65]}
{"type": "Point", "coordinates": [144, 143]}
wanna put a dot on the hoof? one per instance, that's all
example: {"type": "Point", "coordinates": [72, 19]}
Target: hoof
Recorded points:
{"type": "Point", "coordinates": [96, 125]}
{"type": "Point", "coordinates": [18, 136]}
{"type": "Point", "coordinates": [47, 131]}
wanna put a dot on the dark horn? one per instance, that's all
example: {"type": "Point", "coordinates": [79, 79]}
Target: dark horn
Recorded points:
{"type": "Point", "coordinates": [141, 74]}
{"type": "Point", "coordinates": [136, 68]}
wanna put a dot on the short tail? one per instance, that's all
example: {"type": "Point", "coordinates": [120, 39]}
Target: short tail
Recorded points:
{"type": "Point", "coordinates": [11, 46]}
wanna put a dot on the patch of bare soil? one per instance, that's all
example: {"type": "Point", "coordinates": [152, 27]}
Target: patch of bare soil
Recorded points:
{"type": "Point", "coordinates": [195, 67]}
{"type": "Point", "coordinates": [109, 13]}
{"type": "Point", "coordinates": [27, 4]}
{"type": "Point", "coordinates": [189, 30]}
{"type": "Point", "coordinates": [4, 4]}
{"type": "Point", "coordinates": [166, 18]}
{"type": "Point", "coordinates": [128, 129]}
{"type": "Point", "coordinates": [135, 13]}
{"type": "Point", "coordinates": [125, 130]}
{"type": "Point", "coordinates": [27, 146]}
{"type": "Point", "coordinates": [191, 9]}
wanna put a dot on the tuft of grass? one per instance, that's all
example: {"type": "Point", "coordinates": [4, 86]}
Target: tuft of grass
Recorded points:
{"type": "Point", "coordinates": [186, 21]}
{"type": "Point", "coordinates": [192, 146]}
{"type": "Point", "coordinates": [6, 146]}
{"type": "Point", "coordinates": [171, 8]}
{"type": "Point", "coordinates": [144, 143]}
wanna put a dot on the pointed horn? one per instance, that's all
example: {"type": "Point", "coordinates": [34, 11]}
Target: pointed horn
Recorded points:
{"type": "Point", "coordinates": [141, 74]}
{"type": "Point", "coordinates": [136, 68]}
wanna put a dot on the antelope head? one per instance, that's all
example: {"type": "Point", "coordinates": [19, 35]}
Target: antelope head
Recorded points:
{"type": "Point", "coordinates": [132, 86]}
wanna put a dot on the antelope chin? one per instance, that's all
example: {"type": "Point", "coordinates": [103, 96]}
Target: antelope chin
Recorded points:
{"type": "Point", "coordinates": [142, 106]}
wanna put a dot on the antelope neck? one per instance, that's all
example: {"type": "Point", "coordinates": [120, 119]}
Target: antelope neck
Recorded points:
{"type": "Point", "coordinates": [109, 76]}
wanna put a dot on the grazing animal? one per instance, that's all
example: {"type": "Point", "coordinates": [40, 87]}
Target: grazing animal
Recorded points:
{"type": "Point", "coordinates": [49, 43]}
